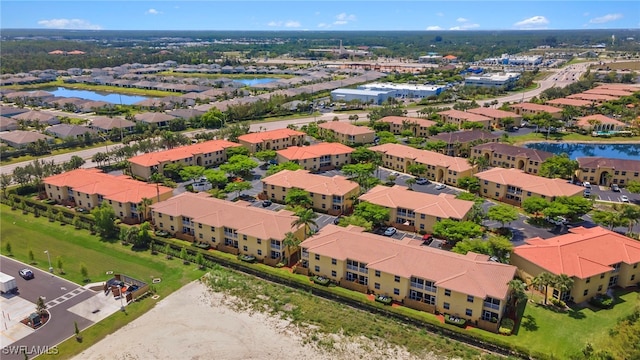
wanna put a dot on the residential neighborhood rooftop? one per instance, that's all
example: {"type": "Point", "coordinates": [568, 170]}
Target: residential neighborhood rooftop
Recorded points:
{"type": "Point", "coordinates": [593, 162]}
{"type": "Point", "coordinates": [535, 184]}
{"type": "Point", "coordinates": [598, 119]}
{"type": "Point", "coordinates": [424, 156]}
{"type": "Point", "coordinates": [345, 128]}
{"type": "Point", "coordinates": [507, 149]}
{"type": "Point", "coordinates": [182, 152]}
{"type": "Point", "coordinates": [493, 113]}
{"type": "Point", "coordinates": [468, 116]}
{"type": "Point", "coordinates": [302, 179]}
{"type": "Point", "coordinates": [256, 138]}
{"type": "Point", "coordinates": [536, 107]}
{"type": "Point", "coordinates": [314, 151]}
{"type": "Point", "coordinates": [399, 120]}
{"type": "Point", "coordinates": [464, 136]}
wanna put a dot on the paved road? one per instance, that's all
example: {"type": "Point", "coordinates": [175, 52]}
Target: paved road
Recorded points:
{"type": "Point", "coordinates": [59, 295]}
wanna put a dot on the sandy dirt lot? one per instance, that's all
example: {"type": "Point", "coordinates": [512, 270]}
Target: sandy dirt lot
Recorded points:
{"type": "Point", "coordinates": [186, 325]}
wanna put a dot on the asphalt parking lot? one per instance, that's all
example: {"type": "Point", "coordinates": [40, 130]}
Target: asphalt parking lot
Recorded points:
{"type": "Point", "coordinates": [605, 193]}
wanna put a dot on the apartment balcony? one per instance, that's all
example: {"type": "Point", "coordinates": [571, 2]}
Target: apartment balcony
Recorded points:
{"type": "Point", "coordinates": [491, 305]}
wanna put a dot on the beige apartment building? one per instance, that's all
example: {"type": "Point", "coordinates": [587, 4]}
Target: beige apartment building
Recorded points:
{"type": "Point", "coordinates": [531, 109]}
{"type": "Point", "coordinates": [322, 156]}
{"type": "Point", "coordinates": [457, 117]}
{"type": "Point", "coordinates": [509, 156]}
{"type": "Point", "coordinates": [333, 195]}
{"type": "Point", "coordinates": [416, 211]}
{"type": "Point", "coordinates": [596, 259]}
{"type": "Point", "coordinates": [418, 126]}
{"type": "Point", "coordinates": [208, 153]}
{"type": "Point", "coordinates": [424, 278]}
{"type": "Point", "coordinates": [606, 171]}
{"type": "Point", "coordinates": [89, 188]}
{"type": "Point", "coordinates": [513, 186]}
{"type": "Point", "coordinates": [346, 133]}
{"type": "Point", "coordinates": [460, 142]}
{"type": "Point", "coordinates": [497, 116]}
{"type": "Point", "coordinates": [271, 140]}
{"type": "Point", "coordinates": [233, 227]}
{"type": "Point", "coordinates": [440, 168]}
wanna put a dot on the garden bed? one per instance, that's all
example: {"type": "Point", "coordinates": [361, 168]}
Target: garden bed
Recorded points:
{"type": "Point", "coordinates": [602, 301]}
{"type": "Point", "coordinates": [161, 233]}
{"type": "Point", "coordinates": [320, 280]}
{"type": "Point", "coordinates": [387, 300]}
{"type": "Point", "coordinates": [247, 258]}
{"type": "Point", "coordinates": [454, 320]}
{"type": "Point", "coordinates": [202, 245]}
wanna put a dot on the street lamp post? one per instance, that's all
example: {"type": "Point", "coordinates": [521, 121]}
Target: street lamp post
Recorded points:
{"type": "Point", "coordinates": [49, 258]}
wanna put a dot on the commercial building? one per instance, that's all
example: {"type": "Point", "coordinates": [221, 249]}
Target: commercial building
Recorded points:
{"type": "Point", "coordinates": [88, 188]}
{"type": "Point", "coordinates": [409, 91]}
{"type": "Point", "coordinates": [322, 156]}
{"type": "Point", "coordinates": [457, 117]}
{"type": "Point", "coordinates": [365, 96]}
{"type": "Point", "coordinates": [595, 258]}
{"type": "Point", "coordinates": [441, 168]}
{"type": "Point", "coordinates": [208, 153]}
{"type": "Point", "coordinates": [233, 227]}
{"type": "Point", "coordinates": [416, 211]}
{"type": "Point", "coordinates": [346, 133]}
{"type": "Point", "coordinates": [607, 171]}
{"type": "Point", "coordinates": [333, 195]}
{"type": "Point", "coordinates": [432, 280]}
{"type": "Point", "coordinates": [418, 126]}
{"type": "Point", "coordinates": [498, 117]}
{"type": "Point", "coordinates": [531, 109]}
{"type": "Point", "coordinates": [271, 140]}
{"type": "Point", "coordinates": [513, 186]}
{"type": "Point", "coordinates": [509, 156]}
{"type": "Point", "coordinates": [506, 81]}
{"type": "Point", "coordinates": [460, 142]}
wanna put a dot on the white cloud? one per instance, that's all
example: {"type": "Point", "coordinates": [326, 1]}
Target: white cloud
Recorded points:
{"type": "Point", "coordinates": [292, 24]}
{"type": "Point", "coordinates": [275, 23]}
{"type": "Point", "coordinates": [465, 27]}
{"type": "Point", "coordinates": [75, 24]}
{"type": "Point", "coordinates": [323, 25]}
{"type": "Point", "coordinates": [533, 22]}
{"type": "Point", "coordinates": [441, 14]}
{"type": "Point", "coordinates": [433, 28]}
{"type": "Point", "coordinates": [153, 12]}
{"type": "Point", "coordinates": [605, 19]}
{"type": "Point", "coordinates": [461, 19]}
{"type": "Point", "coordinates": [344, 18]}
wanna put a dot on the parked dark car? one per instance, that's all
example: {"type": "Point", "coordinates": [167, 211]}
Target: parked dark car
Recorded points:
{"type": "Point", "coordinates": [427, 239]}
{"type": "Point", "coordinates": [266, 203]}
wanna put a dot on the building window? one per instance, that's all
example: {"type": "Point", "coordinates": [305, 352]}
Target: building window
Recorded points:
{"type": "Point", "coordinates": [396, 278]}
{"type": "Point", "coordinates": [377, 273]}
{"type": "Point", "coordinates": [334, 261]}
{"type": "Point", "coordinates": [602, 276]}
{"type": "Point", "coordinates": [585, 292]}
{"type": "Point", "coordinates": [633, 277]}
{"type": "Point", "coordinates": [333, 273]}
{"type": "Point", "coordinates": [469, 312]}
{"type": "Point", "coordinates": [470, 298]}
{"type": "Point", "coordinates": [244, 237]}
{"type": "Point", "coordinates": [245, 248]}
{"type": "Point", "coordinates": [317, 257]}
{"type": "Point", "coordinates": [259, 241]}
{"type": "Point", "coordinates": [600, 288]}
{"type": "Point", "coordinates": [260, 252]}
{"type": "Point", "coordinates": [376, 286]}
{"type": "Point", "coordinates": [446, 306]}
{"type": "Point", "coordinates": [161, 225]}
{"type": "Point", "coordinates": [588, 280]}
{"type": "Point", "coordinates": [396, 291]}
{"type": "Point", "coordinates": [447, 292]}
{"type": "Point", "coordinates": [317, 268]}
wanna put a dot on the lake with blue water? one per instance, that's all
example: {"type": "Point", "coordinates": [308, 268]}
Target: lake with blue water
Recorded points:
{"type": "Point", "coordinates": [615, 151]}
{"type": "Point", "coordinates": [97, 95]}
{"type": "Point", "coordinates": [255, 81]}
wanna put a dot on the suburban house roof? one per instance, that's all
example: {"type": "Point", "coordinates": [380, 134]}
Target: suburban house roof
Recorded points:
{"type": "Point", "coordinates": [468, 116]}
{"type": "Point", "coordinates": [346, 128]}
{"type": "Point", "coordinates": [22, 137]}
{"type": "Point", "coordinates": [423, 156]}
{"type": "Point", "coordinates": [318, 184]}
{"type": "Point", "coordinates": [450, 57]}
{"type": "Point", "coordinates": [581, 253]}
{"type": "Point", "coordinates": [443, 205]}
{"type": "Point", "coordinates": [493, 113]}
{"type": "Point", "coordinates": [471, 274]}
{"type": "Point", "coordinates": [186, 113]}
{"type": "Point", "coordinates": [36, 116]}
{"type": "Point", "coordinates": [11, 110]}
{"type": "Point", "coordinates": [108, 123]}
{"type": "Point", "coordinates": [397, 120]}
{"type": "Point", "coordinates": [506, 149]}
{"type": "Point", "coordinates": [601, 162]}
{"type": "Point", "coordinates": [67, 130]}
{"type": "Point", "coordinates": [314, 151]}
{"type": "Point", "coordinates": [240, 215]}
{"type": "Point", "coordinates": [612, 92]}
{"type": "Point", "coordinates": [7, 123]}
{"type": "Point", "coordinates": [535, 184]}
{"type": "Point", "coordinates": [595, 97]}
{"type": "Point", "coordinates": [605, 120]}
{"type": "Point", "coordinates": [626, 87]}
{"type": "Point", "coordinates": [464, 136]}
{"type": "Point", "coordinates": [257, 138]}
{"type": "Point", "coordinates": [182, 152]}
{"type": "Point", "coordinates": [153, 117]}
{"type": "Point", "coordinates": [119, 188]}
{"type": "Point", "coordinates": [570, 102]}
{"type": "Point", "coordinates": [536, 107]}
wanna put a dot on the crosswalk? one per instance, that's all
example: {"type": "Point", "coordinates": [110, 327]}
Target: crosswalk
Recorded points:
{"type": "Point", "coordinates": [62, 298]}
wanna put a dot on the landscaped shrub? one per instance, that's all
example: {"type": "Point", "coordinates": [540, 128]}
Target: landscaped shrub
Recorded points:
{"type": "Point", "coordinates": [452, 320]}
{"type": "Point", "coordinates": [602, 301]}
{"type": "Point", "coordinates": [506, 326]}
{"type": "Point", "coordinates": [558, 303]}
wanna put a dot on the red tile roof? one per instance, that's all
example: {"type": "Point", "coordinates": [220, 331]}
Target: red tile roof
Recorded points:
{"type": "Point", "coordinates": [117, 188]}
{"type": "Point", "coordinates": [471, 274]}
{"type": "Point", "coordinates": [582, 252]}
{"type": "Point", "coordinates": [397, 120]}
{"type": "Point", "coordinates": [182, 152]}
{"type": "Point", "coordinates": [468, 116]}
{"type": "Point", "coordinates": [570, 102]}
{"type": "Point", "coordinates": [423, 156]}
{"type": "Point", "coordinates": [617, 164]}
{"type": "Point", "coordinates": [241, 216]}
{"type": "Point", "coordinates": [595, 97]}
{"type": "Point", "coordinates": [584, 121]}
{"type": "Point", "coordinates": [256, 138]}
{"type": "Point", "coordinates": [318, 184]}
{"type": "Point", "coordinates": [346, 128]}
{"type": "Point", "coordinates": [535, 184]}
{"type": "Point", "coordinates": [536, 107]}
{"type": "Point", "coordinates": [511, 150]}
{"type": "Point", "coordinates": [314, 151]}
{"type": "Point", "coordinates": [443, 205]}
{"type": "Point", "coordinates": [493, 113]}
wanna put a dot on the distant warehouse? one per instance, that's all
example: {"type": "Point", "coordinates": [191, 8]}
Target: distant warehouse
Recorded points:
{"type": "Point", "coordinates": [379, 92]}
{"type": "Point", "coordinates": [506, 81]}
{"type": "Point", "coordinates": [365, 96]}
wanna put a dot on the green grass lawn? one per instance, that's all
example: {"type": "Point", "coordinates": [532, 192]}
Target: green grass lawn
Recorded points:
{"type": "Point", "coordinates": [75, 247]}
{"type": "Point", "coordinates": [113, 89]}
{"type": "Point", "coordinates": [563, 334]}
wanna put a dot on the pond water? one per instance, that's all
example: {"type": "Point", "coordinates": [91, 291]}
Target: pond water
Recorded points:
{"type": "Point", "coordinates": [255, 81]}
{"type": "Point", "coordinates": [614, 151]}
{"type": "Point", "coordinates": [97, 95]}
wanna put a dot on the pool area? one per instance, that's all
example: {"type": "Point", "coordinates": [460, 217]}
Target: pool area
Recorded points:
{"type": "Point", "coordinates": [97, 96]}
{"type": "Point", "coordinates": [630, 151]}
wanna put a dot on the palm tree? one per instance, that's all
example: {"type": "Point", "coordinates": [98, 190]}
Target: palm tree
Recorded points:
{"type": "Point", "coordinates": [306, 218]}
{"type": "Point", "coordinates": [563, 283]}
{"type": "Point", "coordinates": [290, 241]}
{"type": "Point", "coordinates": [144, 207]}
{"type": "Point", "coordinates": [544, 279]}
{"type": "Point", "coordinates": [631, 214]}
{"type": "Point", "coordinates": [518, 289]}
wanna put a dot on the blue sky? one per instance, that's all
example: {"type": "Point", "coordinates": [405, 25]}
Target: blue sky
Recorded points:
{"type": "Point", "coordinates": [329, 15]}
